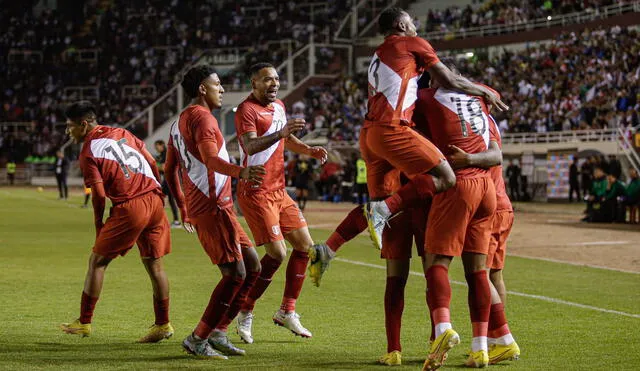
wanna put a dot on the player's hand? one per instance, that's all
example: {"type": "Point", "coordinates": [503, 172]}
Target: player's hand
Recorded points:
{"type": "Point", "coordinates": [293, 126]}
{"type": "Point", "coordinates": [319, 153]}
{"type": "Point", "coordinates": [493, 100]}
{"type": "Point", "coordinates": [457, 157]}
{"type": "Point", "coordinates": [186, 222]}
{"type": "Point", "coordinates": [253, 173]}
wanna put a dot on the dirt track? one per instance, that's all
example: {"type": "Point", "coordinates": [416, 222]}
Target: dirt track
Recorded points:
{"type": "Point", "coordinates": [546, 231]}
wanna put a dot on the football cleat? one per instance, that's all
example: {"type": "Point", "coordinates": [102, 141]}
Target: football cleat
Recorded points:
{"type": "Point", "coordinates": [291, 321]}
{"type": "Point", "coordinates": [76, 328]}
{"type": "Point", "coordinates": [391, 359]}
{"type": "Point", "coordinates": [439, 349]}
{"type": "Point", "coordinates": [200, 348]}
{"type": "Point", "coordinates": [479, 359]}
{"type": "Point", "coordinates": [220, 341]}
{"type": "Point", "coordinates": [499, 353]}
{"type": "Point", "coordinates": [375, 222]}
{"type": "Point", "coordinates": [245, 321]}
{"type": "Point", "coordinates": [320, 256]}
{"type": "Point", "coordinates": [157, 333]}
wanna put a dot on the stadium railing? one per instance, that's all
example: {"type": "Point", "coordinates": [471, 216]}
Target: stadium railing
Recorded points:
{"type": "Point", "coordinates": [601, 135]}
{"type": "Point", "coordinates": [349, 28]}
{"type": "Point", "coordinates": [81, 92]}
{"type": "Point", "coordinates": [546, 22]}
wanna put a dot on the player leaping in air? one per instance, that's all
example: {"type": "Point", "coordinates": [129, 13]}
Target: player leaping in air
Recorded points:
{"type": "Point", "coordinates": [272, 216]}
{"type": "Point", "coordinates": [197, 148]}
{"type": "Point", "coordinates": [115, 164]}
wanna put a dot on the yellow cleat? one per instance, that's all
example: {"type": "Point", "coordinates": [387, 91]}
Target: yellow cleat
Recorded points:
{"type": "Point", "coordinates": [479, 359]}
{"type": "Point", "coordinates": [320, 256]}
{"type": "Point", "coordinates": [157, 333]}
{"type": "Point", "coordinates": [439, 349]}
{"type": "Point", "coordinates": [499, 353]}
{"type": "Point", "coordinates": [391, 359]}
{"type": "Point", "coordinates": [76, 328]}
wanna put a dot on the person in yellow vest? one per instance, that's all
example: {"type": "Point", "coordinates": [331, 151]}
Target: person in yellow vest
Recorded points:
{"type": "Point", "coordinates": [362, 193]}
{"type": "Point", "coordinates": [11, 171]}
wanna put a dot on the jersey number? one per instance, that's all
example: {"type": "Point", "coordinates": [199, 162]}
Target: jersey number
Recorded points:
{"type": "Point", "coordinates": [186, 159]}
{"type": "Point", "coordinates": [124, 162]}
{"type": "Point", "coordinates": [473, 116]}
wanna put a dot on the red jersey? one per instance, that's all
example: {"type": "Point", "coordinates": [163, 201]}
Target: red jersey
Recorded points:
{"type": "Point", "coordinates": [252, 116]}
{"type": "Point", "coordinates": [454, 119]}
{"type": "Point", "coordinates": [204, 190]}
{"type": "Point", "coordinates": [114, 157]}
{"type": "Point", "coordinates": [393, 79]}
{"type": "Point", "coordinates": [504, 203]}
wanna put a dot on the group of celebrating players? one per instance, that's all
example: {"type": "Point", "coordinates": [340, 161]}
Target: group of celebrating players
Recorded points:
{"type": "Point", "coordinates": [453, 205]}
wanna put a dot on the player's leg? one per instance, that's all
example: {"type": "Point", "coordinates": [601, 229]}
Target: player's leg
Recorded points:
{"type": "Point", "coordinates": [415, 156]}
{"type": "Point", "coordinates": [305, 195]}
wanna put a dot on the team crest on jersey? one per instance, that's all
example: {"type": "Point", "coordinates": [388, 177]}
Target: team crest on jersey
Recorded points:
{"type": "Point", "coordinates": [275, 229]}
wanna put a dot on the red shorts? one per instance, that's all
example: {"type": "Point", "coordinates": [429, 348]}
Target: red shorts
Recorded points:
{"type": "Point", "coordinates": [140, 220]}
{"type": "Point", "coordinates": [270, 215]}
{"type": "Point", "coordinates": [388, 150]}
{"type": "Point", "coordinates": [403, 230]}
{"type": "Point", "coordinates": [502, 224]}
{"type": "Point", "coordinates": [221, 235]}
{"type": "Point", "coordinates": [461, 218]}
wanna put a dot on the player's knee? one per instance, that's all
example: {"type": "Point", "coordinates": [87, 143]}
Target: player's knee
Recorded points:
{"type": "Point", "coordinates": [277, 250]}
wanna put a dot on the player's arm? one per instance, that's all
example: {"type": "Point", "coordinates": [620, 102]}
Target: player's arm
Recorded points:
{"type": "Point", "coordinates": [296, 145]}
{"type": "Point", "coordinates": [253, 144]}
{"type": "Point", "coordinates": [209, 152]}
{"type": "Point", "coordinates": [485, 159]}
{"type": "Point", "coordinates": [93, 179]}
{"type": "Point", "coordinates": [453, 81]}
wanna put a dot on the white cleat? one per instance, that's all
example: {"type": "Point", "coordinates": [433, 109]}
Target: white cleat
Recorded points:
{"type": "Point", "coordinates": [291, 321]}
{"type": "Point", "coordinates": [245, 321]}
{"type": "Point", "coordinates": [376, 220]}
{"type": "Point", "coordinates": [220, 342]}
{"type": "Point", "coordinates": [200, 348]}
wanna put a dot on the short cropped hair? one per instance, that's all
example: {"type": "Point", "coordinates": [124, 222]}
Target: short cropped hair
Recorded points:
{"type": "Point", "coordinates": [388, 19]}
{"type": "Point", "coordinates": [193, 78]}
{"type": "Point", "coordinates": [159, 142]}
{"type": "Point", "coordinates": [254, 69]}
{"type": "Point", "coordinates": [81, 110]}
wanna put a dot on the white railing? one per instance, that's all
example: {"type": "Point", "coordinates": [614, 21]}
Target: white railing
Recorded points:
{"type": "Point", "coordinates": [349, 28]}
{"type": "Point", "coordinates": [139, 91]}
{"type": "Point", "coordinates": [602, 135]}
{"type": "Point", "coordinates": [628, 150]}
{"type": "Point", "coordinates": [550, 21]}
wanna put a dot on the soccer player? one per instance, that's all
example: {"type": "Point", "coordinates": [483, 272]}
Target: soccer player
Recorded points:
{"type": "Point", "coordinates": [115, 164]}
{"type": "Point", "coordinates": [197, 148]}
{"type": "Point", "coordinates": [161, 158]}
{"type": "Point", "coordinates": [387, 142]}
{"type": "Point", "coordinates": [272, 216]}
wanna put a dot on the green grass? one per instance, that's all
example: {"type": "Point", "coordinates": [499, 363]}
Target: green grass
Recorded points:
{"type": "Point", "coordinates": [45, 243]}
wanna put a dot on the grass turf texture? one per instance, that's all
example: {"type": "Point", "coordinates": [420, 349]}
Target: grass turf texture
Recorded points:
{"type": "Point", "coordinates": [45, 243]}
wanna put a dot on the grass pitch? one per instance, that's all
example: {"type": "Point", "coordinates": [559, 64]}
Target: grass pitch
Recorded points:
{"type": "Point", "coordinates": [563, 317]}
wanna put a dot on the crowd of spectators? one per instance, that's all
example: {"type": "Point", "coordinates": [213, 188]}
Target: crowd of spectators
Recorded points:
{"type": "Point", "coordinates": [505, 12]}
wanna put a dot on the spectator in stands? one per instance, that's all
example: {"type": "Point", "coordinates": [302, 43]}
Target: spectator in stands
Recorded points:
{"type": "Point", "coordinates": [62, 170]}
{"type": "Point", "coordinates": [574, 184]}
{"type": "Point", "coordinates": [513, 174]}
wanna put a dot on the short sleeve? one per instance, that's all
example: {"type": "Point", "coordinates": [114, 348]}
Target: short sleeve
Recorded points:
{"type": "Point", "coordinates": [425, 53]}
{"type": "Point", "coordinates": [204, 128]}
{"type": "Point", "coordinates": [245, 120]}
{"type": "Point", "coordinates": [90, 171]}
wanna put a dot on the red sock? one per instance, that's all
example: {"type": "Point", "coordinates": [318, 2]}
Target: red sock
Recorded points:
{"type": "Point", "coordinates": [438, 293]}
{"type": "Point", "coordinates": [295, 278]}
{"type": "Point", "coordinates": [269, 268]}
{"type": "Point", "coordinates": [161, 309]}
{"type": "Point", "coordinates": [219, 302]}
{"type": "Point", "coordinates": [87, 304]}
{"type": "Point", "coordinates": [393, 308]}
{"type": "Point", "coordinates": [238, 301]}
{"type": "Point", "coordinates": [432, 337]}
{"type": "Point", "coordinates": [498, 326]}
{"type": "Point", "coordinates": [419, 188]}
{"type": "Point", "coordinates": [479, 302]}
{"type": "Point", "coordinates": [354, 224]}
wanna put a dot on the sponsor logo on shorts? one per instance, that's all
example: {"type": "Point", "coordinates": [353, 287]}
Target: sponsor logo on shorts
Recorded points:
{"type": "Point", "coordinates": [275, 229]}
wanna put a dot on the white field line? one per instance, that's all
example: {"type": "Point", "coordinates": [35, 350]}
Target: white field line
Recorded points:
{"type": "Point", "coordinates": [572, 263]}
{"type": "Point", "coordinates": [516, 293]}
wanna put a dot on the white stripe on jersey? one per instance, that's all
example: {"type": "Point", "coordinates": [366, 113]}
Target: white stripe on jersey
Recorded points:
{"type": "Point", "coordinates": [127, 157]}
{"type": "Point", "coordinates": [221, 179]}
{"type": "Point", "coordinates": [468, 109]}
{"type": "Point", "coordinates": [279, 120]}
{"type": "Point", "coordinates": [196, 170]}
{"type": "Point", "coordinates": [387, 81]}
